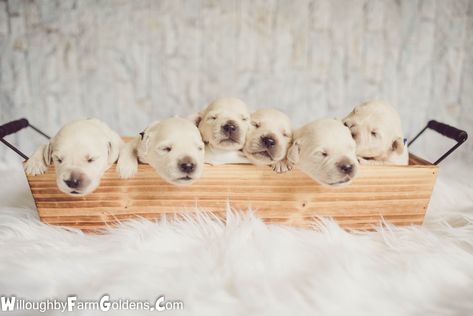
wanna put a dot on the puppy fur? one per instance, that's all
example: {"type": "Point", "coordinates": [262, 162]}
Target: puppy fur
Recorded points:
{"type": "Point", "coordinates": [376, 128]}
{"type": "Point", "coordinates": [81, 152]}
{"type": "Point", "coordinates": [324, 150]}
{"type": "Point", "coordinates": [223, 125]}
{"type": "Point", "coordinates": [173, 147]}
{"type": "Point", "coordinates": [268, 137]}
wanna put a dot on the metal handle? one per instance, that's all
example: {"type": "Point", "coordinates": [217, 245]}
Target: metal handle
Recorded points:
{"type": "Point", "coordinates": [446, 130]}
{"type": "Point", "coordinates": [14, 127]}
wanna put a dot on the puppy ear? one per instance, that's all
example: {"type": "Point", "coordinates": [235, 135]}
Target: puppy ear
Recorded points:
{"type": "Point", "coordinates": [359, 106]}
{"type": "Point", "coordinates": [47, 154]}
{"type": "Point", "coordinates": [115, 143]}
{"type": "Point", "coordinates": [145, 138]}
{"type": "Point", "coordinates": [144, 143]}
{"type": "Point", "coordinates": [113, 151]}
{"type": "Point", "coordinates": [293, 153]}
{"type": "Point", "coordinates": [398, 145]}
{"type": "Point", "coordinates": [196, 118]}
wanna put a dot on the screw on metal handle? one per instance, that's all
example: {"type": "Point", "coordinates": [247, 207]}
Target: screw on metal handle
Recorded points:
{"type": "Point", "coordinates": [14, 127]}
{"type": "Point", "coordinates": [458, 135]}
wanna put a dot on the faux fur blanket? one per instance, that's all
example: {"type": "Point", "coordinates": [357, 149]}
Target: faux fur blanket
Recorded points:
{"type": "Point", "coordinates": [242, 266]}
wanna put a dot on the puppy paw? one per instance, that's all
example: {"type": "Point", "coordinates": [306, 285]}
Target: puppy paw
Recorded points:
{"type": "Point", "coordinates": [282, 166]}
{"type": "Point", "coordinates": [36, 164]}
{"type": "Point", "coordinates": [127, 169]}
{"type": "Point", "coordinates": [34, 167]}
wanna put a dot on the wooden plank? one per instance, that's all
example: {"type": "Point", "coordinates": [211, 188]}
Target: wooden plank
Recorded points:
{"type": "Point", "coordinates": [399, 194]}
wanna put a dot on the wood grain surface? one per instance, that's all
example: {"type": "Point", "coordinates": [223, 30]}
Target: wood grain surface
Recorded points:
{"type": "Point", "coordinates": [398, 194]}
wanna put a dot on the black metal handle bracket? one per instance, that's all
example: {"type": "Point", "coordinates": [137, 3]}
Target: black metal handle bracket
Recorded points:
{"type": "Point", "coordinates": [13, 127]}
{"type": "Point", "coordinates": [451, 132]}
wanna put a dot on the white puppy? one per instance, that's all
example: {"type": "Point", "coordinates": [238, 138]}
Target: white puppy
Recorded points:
{"type": "Point", "coordinates": [223, 125]}
{"type": "Point", "coordinates": [324, 150]}
{"type": "Point", "coordinates": [173, 147]}
{"type": "Point", "coordinates": [268, 137]}
{"type": "Point", "coordinates": [81, 152]}
{"type": "Point", "coordinates": [376, 128]}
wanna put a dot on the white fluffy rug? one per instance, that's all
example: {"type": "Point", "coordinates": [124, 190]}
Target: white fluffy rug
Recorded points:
{"type": "Point", "coordinates": [245, 267]}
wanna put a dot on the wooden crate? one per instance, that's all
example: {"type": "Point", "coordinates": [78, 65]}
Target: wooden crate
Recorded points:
{"type": "Point", "coordinates": [399, 194]}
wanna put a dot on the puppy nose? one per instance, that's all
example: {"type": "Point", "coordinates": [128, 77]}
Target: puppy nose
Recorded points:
{"type": "Point", "coordinates": [187, 165]}
{"type": "Point", "coordinates": [229, 128]}
{"type": "Point", "coordinates": [73, 182]}
{"type": "Point", "coordinates": [346, 168]}
{"type": "Point", "coordinates": [268, 142]}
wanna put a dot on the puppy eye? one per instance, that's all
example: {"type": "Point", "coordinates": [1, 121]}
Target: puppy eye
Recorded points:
{"type": "Point", "coordinates": [285, 134]}
{"type": "Point", "coordinates": [374, 134]}
{"type": "Point", "coordinates": [256, 124]}
{"type": "Point", "coordinates": [324, 154]}
{"type": "Point", "coordinates": [90, 160]}
{"type": "Point", "coordinates": [345, 123]}
{"type": "Point", "coordinates": [213, 117]}
{"type": "Point", "coordinates": [166, 148]}
{"type": "Point", "coordinates": [245, 119]}
{"type": "Point", "coordinates": [59, 160]}
{"type": "Point", "coordinates": [200, 148]}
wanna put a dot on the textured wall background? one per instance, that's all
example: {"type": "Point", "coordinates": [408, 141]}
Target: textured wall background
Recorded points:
{"type": "Point", "coordinates": [129, 62]}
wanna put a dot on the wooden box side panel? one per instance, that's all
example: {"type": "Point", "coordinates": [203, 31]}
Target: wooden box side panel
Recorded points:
{"type": "Point", "coordinates": [399, 194]}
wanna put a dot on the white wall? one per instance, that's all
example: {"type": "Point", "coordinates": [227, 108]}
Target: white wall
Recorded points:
{"type": "Point", "coordinates": [130, 62]}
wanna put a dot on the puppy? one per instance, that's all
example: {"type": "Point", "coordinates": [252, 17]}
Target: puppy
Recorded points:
{"type": "Point", "coordinates": [268, 137]}
{"type": "Point", "coordinates": [81, 152]}
{"type": "Point", "coordinates": [324, 150]}
{"type": "Point", "coordinates": [376, 128]}
{"type": "Point", "coordinates": [223, 125]}
{"type": "Point", "coordinates": [173, 147]}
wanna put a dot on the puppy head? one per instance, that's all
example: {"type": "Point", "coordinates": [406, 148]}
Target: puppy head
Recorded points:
{"type": "Point", "coordinates": [224, 124]}
{"type": "Point", "coordinates": [268, 137]}
{"type": "Point", "coordinates": [174, 148]}
{"type": "Point", "coordinates": [376, 128]}
{"type": "Point", "coordinates": [325, 150]}
{"type": "Point", "coordinates": [81, 152]}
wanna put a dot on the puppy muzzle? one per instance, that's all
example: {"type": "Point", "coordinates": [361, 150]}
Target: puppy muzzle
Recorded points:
{"type": "Point", "coordinates": [228, 135]}
{"type": "Point", "coordinates": [265, 147]}
{"type": "Point", "coordinates": [230, 132]}
{"type": "Point", "coordinates": [347, 170]}
{"type": "Point", "coordinates": [75, 182]}
{"type": "Point", "coordinates": [189, 170]}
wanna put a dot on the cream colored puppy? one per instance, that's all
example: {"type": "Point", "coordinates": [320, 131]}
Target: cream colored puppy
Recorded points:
{"type": "Point", "coordinates": [268, 137]}
{"type": "Point", "coordinates": [324, 150]}
{"type": "Point", "coordinates": [173, 147]}
{"type": "Point", "coordinates": [376, 128]}
{"type": "Point", "coordinates": [223, 125]}
{"type": "Point", "coordinates": [81, 152]}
